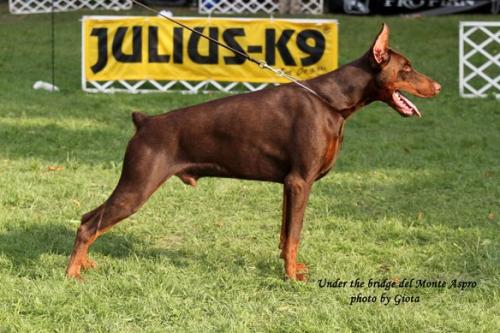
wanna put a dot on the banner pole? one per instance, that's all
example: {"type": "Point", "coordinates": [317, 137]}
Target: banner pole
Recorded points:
{"type": "Point", "coordinates": [53, 46]}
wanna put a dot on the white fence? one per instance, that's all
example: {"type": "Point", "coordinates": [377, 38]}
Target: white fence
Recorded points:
{"type": "Point", "coordinates": [182, 86]}
{"type": "Point", "coordinates": [254, 6]}
{"type": "Point", "coordinates": [45, 6]}
{"type": "Point", "coordinates": [479, 59]}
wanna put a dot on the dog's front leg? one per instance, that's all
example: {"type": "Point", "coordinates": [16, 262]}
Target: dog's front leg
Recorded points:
{"type": "Point", "coordinates": [296, 194]}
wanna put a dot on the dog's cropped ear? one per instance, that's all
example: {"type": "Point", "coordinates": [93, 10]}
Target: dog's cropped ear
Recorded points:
{"type": "Point", "coordinates": [380, 48]}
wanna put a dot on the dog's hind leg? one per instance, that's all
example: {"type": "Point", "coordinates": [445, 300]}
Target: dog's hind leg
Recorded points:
{"type": "Point", "coordinates": [144, 170]}
{"type": "Point", "coordinates": [86, 263]}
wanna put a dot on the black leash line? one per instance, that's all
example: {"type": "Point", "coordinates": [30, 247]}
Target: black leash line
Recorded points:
{"type": "Point", "coordinates": [243, 54]}
{"type": "Point", "coordinates": [260, 63]}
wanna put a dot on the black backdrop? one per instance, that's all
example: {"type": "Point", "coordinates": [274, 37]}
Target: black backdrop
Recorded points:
{"type": "Point", "coordinates": [425, 7]}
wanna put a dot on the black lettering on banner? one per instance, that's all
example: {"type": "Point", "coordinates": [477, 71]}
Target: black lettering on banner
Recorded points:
{"type": "Point", "coordinates": [154, 55]}
{"type": "Point", "coordinates": [315, 52]}
{"type": "Point", "coordinates": [254, 49]}
{"type": "Point", "coordinates": [280, 45]}
{"type": "Point", "coordinates": [102, 49]}
{"type": "Point", "coordinates": [213, 50]}
{"type": "Point", "coordinates": [178, 44]}
{"type": "Point", "coordinates": [229, 36]}
{"type": "Point", "coordinates": [136, 55]}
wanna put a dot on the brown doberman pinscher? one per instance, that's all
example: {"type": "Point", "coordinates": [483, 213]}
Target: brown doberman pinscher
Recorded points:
{"type": "Point", "coordinates": [284, 134]}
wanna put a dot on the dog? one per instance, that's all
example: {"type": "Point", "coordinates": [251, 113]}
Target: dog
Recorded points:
{"type": "Point", "coordinates": [284, 134]}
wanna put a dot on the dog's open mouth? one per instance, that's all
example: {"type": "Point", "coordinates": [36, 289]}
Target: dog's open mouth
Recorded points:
{"type": "Point", "coordinates": [404, 106]}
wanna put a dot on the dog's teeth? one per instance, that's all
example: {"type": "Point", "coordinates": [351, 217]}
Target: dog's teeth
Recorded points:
{"type": "Point", "coordinates": [405, 105]}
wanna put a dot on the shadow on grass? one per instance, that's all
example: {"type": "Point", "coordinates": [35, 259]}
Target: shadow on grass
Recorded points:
{"type": "Point", "coordinates": [182, 258]}
{"type": "Point", "coordinates": [25, 246]}
{"type": "Point", "coordinates": [54, 143]}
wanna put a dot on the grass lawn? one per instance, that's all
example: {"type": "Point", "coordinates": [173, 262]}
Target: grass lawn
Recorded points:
{"type": "Point", "coordinates": [408, 199]}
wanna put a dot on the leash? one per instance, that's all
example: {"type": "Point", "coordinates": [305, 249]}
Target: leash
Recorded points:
{"type": "Point", "coordinates": [260, 63]}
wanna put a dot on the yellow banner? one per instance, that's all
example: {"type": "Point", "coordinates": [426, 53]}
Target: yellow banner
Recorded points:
{"type": "Point", "coordinates": [152, 48]}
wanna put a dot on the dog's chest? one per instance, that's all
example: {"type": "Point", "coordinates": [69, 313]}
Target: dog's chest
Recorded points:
{"type": "Point", "coordinates": [331, 152]}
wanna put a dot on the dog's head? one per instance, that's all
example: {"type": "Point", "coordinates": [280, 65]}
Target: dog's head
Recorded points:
{"type": "Point", "coordinates": [394, 73]}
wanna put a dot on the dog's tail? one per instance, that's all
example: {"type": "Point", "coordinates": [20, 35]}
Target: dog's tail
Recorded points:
{"type": "Point", "coordinates": [138, 119]}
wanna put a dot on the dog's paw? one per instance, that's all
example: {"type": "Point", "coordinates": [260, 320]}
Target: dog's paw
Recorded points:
{"type": "Point", "coordinates": [301, 268]}
{"type": "Point", "coordinates": [301, 277]}
{"type": "Point", "coordinates": [88, 264]}
{"type": "Point", "coordinates": [297, 277]}
{"type": "Point", "coordinates": [74, 273]}
{"type": "Point", "coordinates": [301, 272]}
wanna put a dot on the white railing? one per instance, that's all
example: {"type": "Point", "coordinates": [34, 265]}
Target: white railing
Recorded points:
{"type": "Point", "coordinates": [45, 6]}
{"type": "Point", "coordinates": [479, 59]}
{"type": "Point", "coordinates": [182, 86]}
{"type": "Point", "coordinates": [255, 6]}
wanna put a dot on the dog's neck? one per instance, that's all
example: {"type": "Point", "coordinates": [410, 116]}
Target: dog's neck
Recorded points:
{"type": "Point", "coordinates": [347, 88]}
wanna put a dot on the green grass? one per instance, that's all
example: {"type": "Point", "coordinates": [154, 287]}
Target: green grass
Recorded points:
{"type": "Point", "coordinates": [409, 198]}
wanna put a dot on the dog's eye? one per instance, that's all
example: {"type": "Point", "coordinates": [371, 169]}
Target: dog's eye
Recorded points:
{"type": "Point", "coordinates": [407, 68]}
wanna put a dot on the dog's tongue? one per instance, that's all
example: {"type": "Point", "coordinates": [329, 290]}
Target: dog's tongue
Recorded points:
{"type": "Point", "coordinates": [405, 105]}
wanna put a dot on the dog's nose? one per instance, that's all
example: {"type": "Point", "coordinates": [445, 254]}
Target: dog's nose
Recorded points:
{"type": "Point", "coordinates": [437, 87]}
